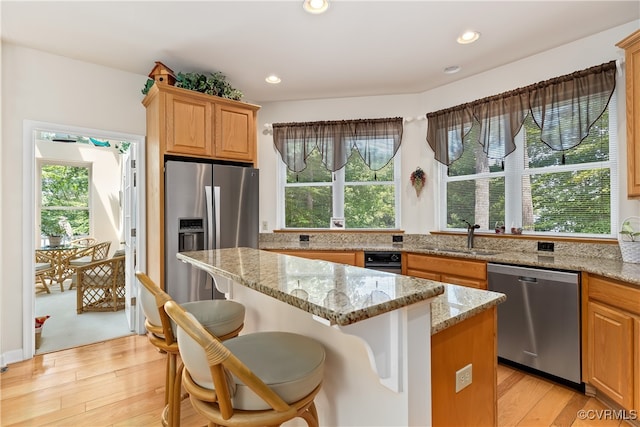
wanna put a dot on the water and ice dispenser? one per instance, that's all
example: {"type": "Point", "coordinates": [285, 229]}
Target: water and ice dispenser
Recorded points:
{"type": "Point", "coordinates": [191, 234]}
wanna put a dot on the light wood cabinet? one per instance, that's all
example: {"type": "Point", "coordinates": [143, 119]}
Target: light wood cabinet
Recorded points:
{"type": "Point", "coordinates": [235, 133]}
{"type": "Point", "coordinates": [613, 338]}
{"type": "Point", "coordinates": [470, 342]}
{"type": "Point", "coordinates": [189, 125]}
{"type": "Point", "coordinates": [192, 125]}
{"type": "Point", "coordinates": [341, 257]}
{"type": "Point", "coordinates": [464, 272]}
{"type": "Point", "coordinates": [631, 45]}
{"type": "Point", "coordinates": [611, 353]}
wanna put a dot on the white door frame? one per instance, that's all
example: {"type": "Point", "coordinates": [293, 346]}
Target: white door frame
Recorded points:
{"type": "Point", "coordinates": [28, 210]}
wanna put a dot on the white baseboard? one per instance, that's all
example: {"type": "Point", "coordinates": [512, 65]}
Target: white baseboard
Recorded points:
{"type": "Point", "coordinates": [12, 356]}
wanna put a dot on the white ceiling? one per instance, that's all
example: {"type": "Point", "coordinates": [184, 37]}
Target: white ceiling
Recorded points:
{"type": "Point", "coordinates": [356, 48]}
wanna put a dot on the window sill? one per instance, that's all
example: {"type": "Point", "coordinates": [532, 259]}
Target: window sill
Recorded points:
{"type": "Point", "coordinates": [603, 240]}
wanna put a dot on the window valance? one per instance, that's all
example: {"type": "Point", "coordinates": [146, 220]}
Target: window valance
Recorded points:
{"type": "Point", "coordinates": [564, 108]}
{"type": "Point", "coordinates": [376, 140]}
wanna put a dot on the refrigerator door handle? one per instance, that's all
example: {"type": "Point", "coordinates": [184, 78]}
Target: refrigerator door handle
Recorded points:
{"type": "Point", "coordinates": [216, 194]}
{"type": "Point", "coordinates": [209, 206]}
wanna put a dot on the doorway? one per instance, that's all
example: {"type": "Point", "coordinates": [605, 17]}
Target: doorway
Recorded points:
{"type": "Point", "coordinates": [130, 207]}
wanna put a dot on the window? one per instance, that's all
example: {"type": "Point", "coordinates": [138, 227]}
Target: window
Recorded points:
{"type": "Point", "coordinates": [540, 189]}
{"type": "Point", "coordinates": [364, 198]}
{"type": "Point", "coordinates": [339, 174]}
{"type": "Point", "coordinates": [64, 198]}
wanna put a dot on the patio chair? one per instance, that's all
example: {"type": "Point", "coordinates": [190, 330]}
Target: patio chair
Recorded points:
{"type": "Point", "coordinates": [44, 271]}
{"type": "Point", "coordinates": [100, 285]}
{"type": "Point", "coordinates": [83, 241]}
{"type": "Point", "coordinates": [91, 254]}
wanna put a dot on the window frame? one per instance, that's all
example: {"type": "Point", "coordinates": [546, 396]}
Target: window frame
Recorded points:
{"type": "Point", "coordinates": [338, 184]}
{"type": "Point", "coordinates": [43, 162]}
{"type": "Point", "coordinates": [514, 170]}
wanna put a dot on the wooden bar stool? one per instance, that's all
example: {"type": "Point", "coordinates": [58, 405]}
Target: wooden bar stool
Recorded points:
{"type": "Point", "coordinates": [223, 318]}
{"type": "Point", "coordinates": [258, 379]}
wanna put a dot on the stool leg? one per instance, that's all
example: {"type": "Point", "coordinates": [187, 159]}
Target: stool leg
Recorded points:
{"type": "Point", "coordinates": [176, 399]}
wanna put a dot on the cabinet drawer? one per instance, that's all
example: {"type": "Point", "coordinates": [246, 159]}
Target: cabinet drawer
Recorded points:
{"type": "Point", "coordinates": [450, 266]}
{"type": "Point", "coordinates": [349, 258]}
{"type": "Point", "coordinates": [615, 294]}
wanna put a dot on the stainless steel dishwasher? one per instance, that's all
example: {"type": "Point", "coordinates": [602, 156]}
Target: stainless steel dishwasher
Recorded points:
{"type": "Point", "coordinates": [539, 323]}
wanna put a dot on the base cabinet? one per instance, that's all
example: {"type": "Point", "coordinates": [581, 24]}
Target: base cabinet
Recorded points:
{"type": "Point", "coordinates": [613, 340]}
{"type": "Point", "coordinates": [457, 271]}
{"type": "Point", "coordinates": [470, 342]}
{"type": "Point", "coordinates": [611, 353]}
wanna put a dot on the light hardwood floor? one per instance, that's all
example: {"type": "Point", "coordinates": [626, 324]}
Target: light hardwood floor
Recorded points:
{"type": "Point", "coordinates": [121, 383]}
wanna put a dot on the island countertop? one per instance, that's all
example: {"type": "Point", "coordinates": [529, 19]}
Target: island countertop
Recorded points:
{"type": "Point", "coordinates": [339, 293]}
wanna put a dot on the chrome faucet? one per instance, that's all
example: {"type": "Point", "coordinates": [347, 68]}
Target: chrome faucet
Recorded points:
{"type": "Point", "coordinates": [470, 230]}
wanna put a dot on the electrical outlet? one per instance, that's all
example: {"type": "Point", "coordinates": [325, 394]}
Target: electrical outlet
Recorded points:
{"type": "Point", "coordinates": [304, 237]}
{"type": "Point", "coordinates": [546, 246]}
{"type": "Point", "coordinates": [265, 226]}
{"type": "Point", "coordinates": [396, 239]}
{"type": "Point", "coordinates": [463, 377]}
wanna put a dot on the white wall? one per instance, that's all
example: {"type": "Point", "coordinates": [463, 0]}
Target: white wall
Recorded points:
{"type": "Point", "coordinates": [420, 215]}
{"type": "Point", "coordinates": [42, 87]}
{"type": "Point", "coordinates": [104, 194]}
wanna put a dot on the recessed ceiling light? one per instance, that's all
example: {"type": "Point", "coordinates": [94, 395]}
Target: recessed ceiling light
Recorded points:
{"type": "Point", "coordinates": [468, 37]}
{"type": "Point", "coordinates": [452, 69]}
{"type": "Point", "coordinates": [316, 6]}
{"type": "Point", "coordinates": [273, 79]}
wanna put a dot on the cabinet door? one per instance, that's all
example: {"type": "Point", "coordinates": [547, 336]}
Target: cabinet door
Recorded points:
{"type": "Point", "coordinates": [611, 353]}
{"type": "Point", "coordinates": [631, 44]}
{"type": "Point", "coordinates": [236, 134]}
{"type": "Point", "coordinates": [189, 125]}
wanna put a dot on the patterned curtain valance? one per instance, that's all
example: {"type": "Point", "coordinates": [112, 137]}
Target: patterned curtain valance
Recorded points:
{"type": "Point", "coordinates": [376, 140]}
{"type": "Point", "coordinates": [564, 108]}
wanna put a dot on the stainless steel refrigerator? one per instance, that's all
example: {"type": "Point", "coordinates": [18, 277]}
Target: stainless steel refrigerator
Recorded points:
{"type": "Point", "coordinates": [207, 206]}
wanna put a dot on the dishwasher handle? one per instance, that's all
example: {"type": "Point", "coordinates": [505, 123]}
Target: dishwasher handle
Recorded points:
{"type": "Point", "coordinates": [523, 279]}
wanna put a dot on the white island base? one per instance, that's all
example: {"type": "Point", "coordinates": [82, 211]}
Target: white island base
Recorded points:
{"type": "Point", "coordinates": [377, 371]}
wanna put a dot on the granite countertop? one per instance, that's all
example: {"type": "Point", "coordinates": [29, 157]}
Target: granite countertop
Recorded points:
{"type": "Point", "coordinates": [611, 268]}
{"type": "Point", "coordinates": [339, 293]}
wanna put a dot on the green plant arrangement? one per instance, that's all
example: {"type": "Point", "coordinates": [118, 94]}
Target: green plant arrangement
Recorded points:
{"type": "Point", "coordinates": [212, 84]}
{"type": "Point", "coordinates": [629, 234]}
{"type": "Point", "coordinates": [629, 239]}
{"type": "Point", "coordinates": [52, 226]}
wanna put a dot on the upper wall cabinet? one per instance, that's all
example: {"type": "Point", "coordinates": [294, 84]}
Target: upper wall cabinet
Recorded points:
{"type": "Point", "coordinates": [235, 132]}
{"type": "Point", "coordinates": [194, 124]}
{"type": "Point", "coordinates": [631, 45]}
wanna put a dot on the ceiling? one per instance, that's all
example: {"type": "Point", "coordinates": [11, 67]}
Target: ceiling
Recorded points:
{"type": "Point", "coordinates": [356, 48]}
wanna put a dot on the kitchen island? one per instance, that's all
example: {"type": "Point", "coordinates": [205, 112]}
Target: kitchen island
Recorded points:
{"type": "Point", "coordinates": [376, 326]}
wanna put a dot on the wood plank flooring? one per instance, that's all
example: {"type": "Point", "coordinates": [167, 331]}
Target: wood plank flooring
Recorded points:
{"type": "Point", "coordinates": [121, 383]}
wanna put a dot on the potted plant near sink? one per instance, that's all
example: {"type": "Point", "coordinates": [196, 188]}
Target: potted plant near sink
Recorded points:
{"type": "Point", "coordinates": [629, 239]}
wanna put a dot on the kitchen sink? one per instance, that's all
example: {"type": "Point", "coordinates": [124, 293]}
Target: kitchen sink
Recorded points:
{"type": "Point", "coordinates": [461, 251]}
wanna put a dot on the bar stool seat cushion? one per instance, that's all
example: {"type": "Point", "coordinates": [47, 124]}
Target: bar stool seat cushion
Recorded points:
{"type": "Point", "coordinates": [219, 317]}
{"type": "Point", "coordinates": [292, 365]}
